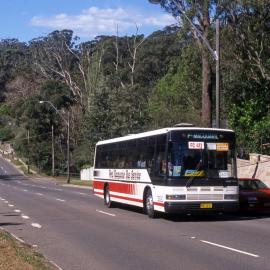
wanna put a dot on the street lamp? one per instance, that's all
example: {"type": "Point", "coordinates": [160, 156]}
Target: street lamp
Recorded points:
{"type": "Point", "coordinates": [66, 121]}
{"type": "Point", "coordinates": [215, 53]}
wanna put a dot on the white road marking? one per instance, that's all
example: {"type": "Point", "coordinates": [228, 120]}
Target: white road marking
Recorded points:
{"type": "Point", "coordinates": [81, 193]}
{"type": "Point", "coordinates": [17, 211]}
{"type": "Point", "coordinates": [58, 189]}
{"type": "Point", "coordinates": [25, 217]}
{"type": "Point", "coordinates": [60, 200]}
{"type": "Point", "coordinates": [16, 237]}
{"type": "Point", "coordinates": [11, 205]}
{"type": "Point", "coordinates": [109, 214]}
{"type": "Point", "coordinates": [36, 225]}
{"type": "Point", "coordinates": [5, 201]}
{"type": "Point", "coordinates": [40, 194]}
{"type": "Point", "coordinates": [25, 189]}
{"type": "Point", "coordinates": [232, 249]}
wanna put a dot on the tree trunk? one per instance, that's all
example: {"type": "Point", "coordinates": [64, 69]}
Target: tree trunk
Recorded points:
{"type": "Point", "coordinates": [206, 72]}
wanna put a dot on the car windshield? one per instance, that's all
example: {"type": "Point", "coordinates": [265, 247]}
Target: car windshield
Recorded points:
{"type": "Point", "coordinates": [252, 184]}
{"type": "Point", "coordinates": [200, 159]}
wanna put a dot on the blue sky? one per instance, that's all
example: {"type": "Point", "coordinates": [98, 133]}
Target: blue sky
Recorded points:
{"type": "Point", "coordinates": [28, 19]}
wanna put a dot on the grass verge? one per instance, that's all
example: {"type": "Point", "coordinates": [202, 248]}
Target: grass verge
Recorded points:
{"type": "Point", "coordinates": [16, 255]}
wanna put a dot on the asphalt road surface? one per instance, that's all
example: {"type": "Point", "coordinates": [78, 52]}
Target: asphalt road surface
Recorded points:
{"type": "Point", "coordinates": [73, 229]}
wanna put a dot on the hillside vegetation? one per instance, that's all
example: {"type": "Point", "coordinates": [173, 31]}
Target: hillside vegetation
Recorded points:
{"type": "Point", "coordinates": [113, 86]}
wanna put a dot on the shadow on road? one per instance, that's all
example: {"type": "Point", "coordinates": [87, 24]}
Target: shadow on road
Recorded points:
{"type": "Point", "coordinates": [218, 217]}
{"type": "Point", "coordinates": [3, 224]}
{"type": "Point", "coordinates": [11, 177]}
{"type": "Point", "coordinates": [11, 215]}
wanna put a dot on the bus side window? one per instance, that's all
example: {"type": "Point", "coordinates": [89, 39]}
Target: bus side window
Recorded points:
{"type": "Point", "coordinates": [131, 152]}
{"type": "Point", "coordinates": [160, 161]}
{"type": "Point", "coordinates": [150, 158]}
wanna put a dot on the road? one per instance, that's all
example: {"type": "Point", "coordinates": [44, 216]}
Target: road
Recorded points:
{"type": "Point", "coordinates": [72, 228]}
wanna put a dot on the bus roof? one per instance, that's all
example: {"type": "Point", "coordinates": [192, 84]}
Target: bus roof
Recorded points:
{"type": "Point", "coordinates": [157, 132]}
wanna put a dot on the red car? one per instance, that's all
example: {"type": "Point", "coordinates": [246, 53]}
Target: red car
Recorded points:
{"type": "Point", "coordinates": [254, 195]}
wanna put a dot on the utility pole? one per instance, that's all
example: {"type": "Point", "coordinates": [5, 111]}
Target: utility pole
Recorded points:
{"type": "Point", "coordinates": [52, 151]}
{"type": "Point", "coordinates": [68, 152]}
{"type": "Point", "coordinates": [217, 74]}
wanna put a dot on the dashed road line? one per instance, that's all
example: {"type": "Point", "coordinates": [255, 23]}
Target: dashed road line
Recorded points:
{"type": "Point", "coordinates": [11, 205]}
{"type": "Point", "coordinates": [105, 213]}
{"type": "Point", "coordinates": [40, 194]}
{"type": "Point", "coordinates": [60, 200]}
{"type": "Point", "coordinates": [17, 211]}
{"type": "Point", "coordinates": [81, 193]}
{"type": "Point", "coordinates": [36, 225]}
{"type": "Point", "coordinates": [232, 249]}
{"type": "Point", "coordinates": [25, 217]}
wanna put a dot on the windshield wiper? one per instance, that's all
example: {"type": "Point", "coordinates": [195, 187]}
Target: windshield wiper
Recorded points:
{"type": "Point", "coordinates": [190, 180]}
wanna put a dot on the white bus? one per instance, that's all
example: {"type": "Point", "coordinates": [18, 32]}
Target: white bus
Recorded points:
{"type": "Point", "coordinates": [183, 169]}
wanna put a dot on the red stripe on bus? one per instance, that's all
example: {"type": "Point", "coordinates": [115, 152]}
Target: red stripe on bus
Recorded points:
{"type": "Point", "coordinates": [126, 198]}
{"type": "Point", "coordinates": [125, 188]}
{"type": "Point", "coordinates": [158, 204]}
{"type": "Point", "coordinates": [98, 185]}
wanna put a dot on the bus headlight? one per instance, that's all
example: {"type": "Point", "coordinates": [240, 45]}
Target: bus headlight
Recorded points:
{"type": "Point", "coordinates": [230, 197]}
{"type": "Point", "coordinates": [175, 197]}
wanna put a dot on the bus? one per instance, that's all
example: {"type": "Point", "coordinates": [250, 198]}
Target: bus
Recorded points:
{"type": "Point", "coordinates": [182, 169]}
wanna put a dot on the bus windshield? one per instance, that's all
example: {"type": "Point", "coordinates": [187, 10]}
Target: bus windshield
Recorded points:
{"type": "Point", "coordinates": [206, 159]}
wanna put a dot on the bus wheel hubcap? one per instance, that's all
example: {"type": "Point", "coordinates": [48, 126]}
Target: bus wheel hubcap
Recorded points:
{"type": "Point", "coordinates": [149, 203]}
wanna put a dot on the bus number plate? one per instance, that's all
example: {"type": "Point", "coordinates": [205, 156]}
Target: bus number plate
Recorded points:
{"type": "Point", "coordinates": [206, 205]}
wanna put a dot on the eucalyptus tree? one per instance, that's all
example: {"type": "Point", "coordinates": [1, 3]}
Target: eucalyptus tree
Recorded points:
{"type": "Point", "coordinates": [196, 17]}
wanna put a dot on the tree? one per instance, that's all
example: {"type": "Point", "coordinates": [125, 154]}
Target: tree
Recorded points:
{"type": "Point", "coordinates": [36, 120]}
{"type": "Point", "coordinates": [197, 12]}
{"type": "Point", "coordinates": [246, 71]}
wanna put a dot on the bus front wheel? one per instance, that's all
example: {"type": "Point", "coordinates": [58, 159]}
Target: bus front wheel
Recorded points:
{"type": "Point", "coordinates": [149, 204]}
{"type": "Point", "coordinates": [107, 197]}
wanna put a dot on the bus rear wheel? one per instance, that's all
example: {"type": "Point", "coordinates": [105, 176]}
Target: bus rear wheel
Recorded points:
{"type": "Point", "coordinates": [149, 205]}
{"type": "Point", "coordinates": [107, 197]}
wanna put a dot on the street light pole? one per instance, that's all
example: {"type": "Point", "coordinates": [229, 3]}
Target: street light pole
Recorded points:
{"type": "Point", "coordinates": [67, 122]}
{"type": "Point", "coordinates": [52, 151]}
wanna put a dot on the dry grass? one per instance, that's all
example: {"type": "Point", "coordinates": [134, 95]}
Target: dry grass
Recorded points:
{"type": "Point", "coordinates": [17, 256]}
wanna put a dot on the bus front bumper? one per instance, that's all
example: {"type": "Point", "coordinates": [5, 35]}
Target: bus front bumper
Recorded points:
{"type": "Point", "coordinates": [201, 207]}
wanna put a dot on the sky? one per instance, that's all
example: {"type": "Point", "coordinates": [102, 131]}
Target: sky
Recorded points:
{"type": "Point", "coordinates": [28, 19]}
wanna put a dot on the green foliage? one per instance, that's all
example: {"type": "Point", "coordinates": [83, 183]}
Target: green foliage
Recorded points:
{"type": "Point", "coordinates": [5, 110]}
{"type": "Point", "coordinates": [6, 134]}
{"type": "Point", "coordinates": [36, 120]}
{"type": "Point", "coordinates": [176, 97]}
